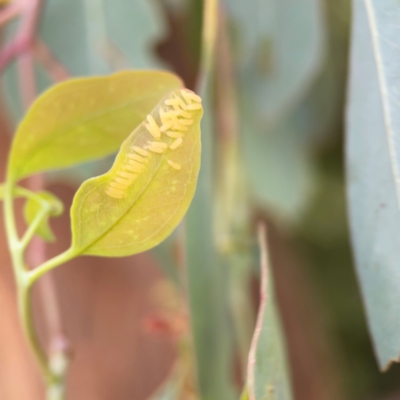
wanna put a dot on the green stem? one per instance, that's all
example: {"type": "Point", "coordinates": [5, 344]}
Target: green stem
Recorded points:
{"type": "Point", "coordinates": [53, 369]}
{"type": "Point", "coordinates": [209, 35]}
{"type": "Point", "coordinates": [47, 266]}
{"type": "Point", "coordinates": [22, 279]}
{"type": "Point", "coordinates": [40, 216]}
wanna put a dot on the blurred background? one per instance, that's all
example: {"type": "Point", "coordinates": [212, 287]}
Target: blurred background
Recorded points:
{"type": "Point", "coordinates": [273, 151]}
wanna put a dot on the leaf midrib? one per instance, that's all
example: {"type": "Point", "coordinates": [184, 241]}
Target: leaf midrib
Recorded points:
{"type": "Point", "coordinates": [384, 93]}
{"type": "Point", "coordinates": [128, 209]}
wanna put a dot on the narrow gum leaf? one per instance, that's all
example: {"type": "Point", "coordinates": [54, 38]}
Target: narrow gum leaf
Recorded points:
{"type": "Point", "coordinates": [268, 376]}
{"type": "Point", "coordinates": [139, 213]}
{"type": "Point", "coordinates": [84, 119]}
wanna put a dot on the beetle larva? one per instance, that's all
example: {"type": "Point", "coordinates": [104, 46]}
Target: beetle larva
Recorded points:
{"type": "Point", "coordinates": [167, 124]}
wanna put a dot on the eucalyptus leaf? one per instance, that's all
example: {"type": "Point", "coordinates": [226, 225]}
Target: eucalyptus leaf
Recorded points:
{"type": "Point", "coordinates": [279, 48]}
{"type": "Point", "coordinates": [207, 284]}
{"type": "Point", "coordinates": [280, 169]}
{"type": "Point", "coordinates": [84, 119]}
{"type": "Point", "coordinates": [268, 377]}
{"type": "Point", "coordinates": [92, 37]}
{"type": "Point", "coordinates": [33, 206]}
{"type": "Point", "coordinates": [373, 167]}
{"type": "Point", "coordinates": [138, 203]}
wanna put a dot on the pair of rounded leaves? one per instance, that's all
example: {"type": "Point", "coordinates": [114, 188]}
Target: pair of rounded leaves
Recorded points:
{"type": "Point", "coordinates": [146, 193]}
{"type": "Point", "coordinates": [87, 118]}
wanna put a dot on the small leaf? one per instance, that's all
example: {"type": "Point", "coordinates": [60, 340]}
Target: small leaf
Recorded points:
{"type": "Point", "coordinates": [32, 207]}
{"type": "Point", "coordinates": [267, 377]}
{"type": "Point", "coordinates": [138, 203]}
{"type": "Point", "coordinates": [84, 119]}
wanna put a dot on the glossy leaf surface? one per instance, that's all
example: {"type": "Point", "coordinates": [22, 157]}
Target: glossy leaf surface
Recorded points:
{"type": "Point", "coordinates": [373, 167]}
{"type": "Point", "coordinates": [84, 119]}
{"type": "Point", "coordinates": [32, 207]}
{"type": "Point", "coordinates": [137, 204]}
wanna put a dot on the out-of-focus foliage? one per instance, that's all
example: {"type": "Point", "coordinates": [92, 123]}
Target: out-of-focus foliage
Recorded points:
{"type": "Point", "coordinates": [267, 374]}
{"type": "Point", "coordinates": [207, 278]}
{"type": "Point", "coordinates": [373, 167]}
{"type": "Point", "coordinates": [280, 48]}
{"type": "Point", "coordinates": [93, 37]}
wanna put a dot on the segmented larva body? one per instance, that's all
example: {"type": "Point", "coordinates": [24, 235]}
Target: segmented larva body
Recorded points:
{"type": "Point", "coordinates": [176, 117]}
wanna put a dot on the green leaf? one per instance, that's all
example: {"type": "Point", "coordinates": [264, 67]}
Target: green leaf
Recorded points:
{"type": "Point", "coordinates": [278, 60]}
{"type": "Point", "coordinates": [33, 206]}
{"type": "Point", "coordinates": [280, 169]}
{"type": "Point", "coordinates": [373, 167]}
{"type": "Point", "coordinates": [278, 66]}
{"type": "Point", "coordinates": [268, 377]}
{"type": "Point", "coordinates": [207, 285]}
{"type": "Point", "coordinates": [84, 119]}
{"type": "Point", "coordinates": [106, 36]}
{"type": "Point", "coordinates": [139, 202]}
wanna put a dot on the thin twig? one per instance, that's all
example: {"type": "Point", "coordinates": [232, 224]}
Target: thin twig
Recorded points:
{"type": "Point", "coordinates": [209, 35]}
{"type": "Point", "coordinates": [23, 47]}
{"type": "Point", "coordinates": [262, 240]}
{"type": "Point", "coordinates": [26, 79]}
{"type": "Point", "coordinates": [23, 41]}
{"type": "Point", "coordinates": [10, 12]}
{"type": "Point", "coordinates": [56, 70]}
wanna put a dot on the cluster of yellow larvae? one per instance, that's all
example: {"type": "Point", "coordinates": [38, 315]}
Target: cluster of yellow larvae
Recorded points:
{"type": "Point", "coordinates": [176, 117]}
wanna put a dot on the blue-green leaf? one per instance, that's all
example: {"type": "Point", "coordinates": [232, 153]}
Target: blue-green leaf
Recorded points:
{"type": "Point", "coordinates": [268, 377]}
{"type": "Point", "coordinates": [373, 167]}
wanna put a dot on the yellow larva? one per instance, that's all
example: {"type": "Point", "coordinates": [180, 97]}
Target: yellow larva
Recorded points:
{"type": "Point", "coordinates": [174, 118]}
{"type": "Point", "coordinates": [152, 127]}
{"type": "Point", "coordinates": [171, 114]}
{"type": "Point", "coordinates": [174, 164]}
{"type": "Point", "coordinates": [189, 96]}
{"type": "Point", "coordinates": [193, 107]}
{"type": "Point", "coordinates": [136, 158]}
{"type": "Point", "coordinates": [176, 101]}
{"type": "Point", "coordinates": [173, 134]}
{"type": "Point", "coordinates": [165, 126]}
{"type": "Point", "coordinates": [127, 175]}
{"type": "Point", "coordinates": [164, 116]}
{"type": "Point", "coordinates": [176, 143]}
{"type": "Point", "coordinates": [116, 193]}
{"type": "Point", "coordinates": [156, 149]}
{"type": "Point", "coordinates": [160, 145]}
{"type": "Point", "coordinates": [140, 151]}
{"type": "Point", "coordinates": [178, 127]}
{"type": "Point", "coordinates": [124, 181]}
{"type": "Point", "coordinates": [184, 114]}
{"type": "Point", "coordinates": [117, 185]}
{"type": "Point", "coordinates": [187, 122]}
{"type": "Point", "coordinates": [134, 166]}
